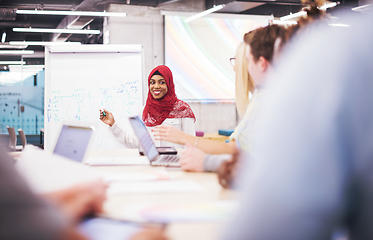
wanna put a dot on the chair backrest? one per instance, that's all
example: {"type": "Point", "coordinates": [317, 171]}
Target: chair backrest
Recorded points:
{"type": "Point", "coordinates": [12, 137]}
{"type": "Point", "coordinates": [23, 137]}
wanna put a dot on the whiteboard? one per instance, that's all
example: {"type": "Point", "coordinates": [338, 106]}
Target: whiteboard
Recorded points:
{"type": "Point", "coordinates": [78, 79]}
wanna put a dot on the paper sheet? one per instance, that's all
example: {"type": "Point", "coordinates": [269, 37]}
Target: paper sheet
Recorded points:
{"type": "Point", "coordinates": [214, 211]}
{"type": "Point", "coordinates": [142, 176]}
{"type": "Point", "coordinates": [173, 186]}
{"type": "Point", "coordinates": [103, 229]}
{"type": "Point", "coordinates": [46, 172]}
{"type": "Point", "coordinates": [112, 161]}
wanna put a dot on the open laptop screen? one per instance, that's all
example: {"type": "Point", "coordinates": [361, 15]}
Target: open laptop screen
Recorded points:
{"type": "Point", "coordinates": [73, 142]}
{"type": "Point", "coordinates": [143, 135]}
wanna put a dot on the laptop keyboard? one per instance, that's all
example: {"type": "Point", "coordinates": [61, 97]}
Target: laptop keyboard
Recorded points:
{"type": "Point", "coordinates": [167, 161]}
{"type": "Point", "coordinates": [169, 158]}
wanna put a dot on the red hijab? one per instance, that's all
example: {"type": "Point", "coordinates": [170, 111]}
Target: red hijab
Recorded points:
{"type": "Point", "coordinates": [169, 106]}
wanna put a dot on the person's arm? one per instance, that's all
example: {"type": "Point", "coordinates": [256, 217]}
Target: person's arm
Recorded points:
{"type": "Point", "coordinates": [80, 200]}
{"type": "Point", "coordinates": [195, 160]}
{"type": "Point", "coordinates": [23, 214]}
{"type": "Point", "coordinates": [126, 138]}
{"type": "Point", "coordinates": [227, 171]}
{"type": "Point", "coordinates": [171, 134]}
{"type": "Point", "coordinates": [212, 162]}
{"type": "Point", "coordinates": [150, 234]}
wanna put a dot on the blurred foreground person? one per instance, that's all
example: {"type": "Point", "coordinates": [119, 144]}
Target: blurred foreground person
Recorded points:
{"type": "Point", "coordinates": [311, 167]}
{"type": "Point", "coordinates": [50, 216]}
{"type": "Point", "coordinates": [264, 48]}
{"type": "Point", "coordinates": [23, 215]}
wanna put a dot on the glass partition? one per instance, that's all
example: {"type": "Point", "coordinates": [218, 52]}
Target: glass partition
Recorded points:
{"type": "Point", "coordinates": [22, 99]}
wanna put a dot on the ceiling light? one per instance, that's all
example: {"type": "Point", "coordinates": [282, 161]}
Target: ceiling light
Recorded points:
{"type": "Point", "coordinates": [3, 37]}
{"type": "Point", "coordinates": [73, 13]}
{"type": "Point", "coordinates": [295, 15]}
{"type": "Point", "coordinates": [16, 52]}
{"type": "Point", "coordinates": [33, 66]}
{"type": "Point", "coordinates": [166, 2]}
{"type": "Point", "coordinates": [328, 5]}
{"type": "Point", "coordinates": [362, 8]}
{"type": "Point", "coordinates": [43, 43]}
{"type": "Point", "coordinates": [12, 62]}
{"type": "Point", "coordinates": [303, 13]}
{"type": "Point", "coordinates": [9, 46]}
{"type": "Point", "coordinates": [47, 30]}
{"type": "Point", "coordinates": [279, 22]}
{"type": "Point", "coordinates": [26, 68]}
{"type": "Point", "coordinates": [204, 13]}
{"type": "Point", "coordinates": [338, 25]}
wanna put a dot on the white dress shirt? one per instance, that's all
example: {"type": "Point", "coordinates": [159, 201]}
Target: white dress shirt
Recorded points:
{"type": "Point", "coordinates": [129, 139]}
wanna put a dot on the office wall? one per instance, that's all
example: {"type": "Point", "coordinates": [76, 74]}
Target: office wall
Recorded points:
{"type": "Point", "coordinates": [214, 116]}
{"type": "Point", "coordinates": [145, 25]}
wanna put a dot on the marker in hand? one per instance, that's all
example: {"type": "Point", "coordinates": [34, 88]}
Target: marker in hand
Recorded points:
{"type": "Point", "coordinates": [103, 112]}
{"type": "Point", "coordinates": [106, 116]}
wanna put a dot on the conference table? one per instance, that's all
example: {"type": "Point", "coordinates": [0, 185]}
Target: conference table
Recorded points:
{"type": "Point", "coordinates": [211, 192]}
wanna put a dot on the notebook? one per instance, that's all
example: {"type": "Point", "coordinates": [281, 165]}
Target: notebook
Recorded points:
{"type": "Point", "coordinates": [74, 140]}
{"type": "Point", "coordinates": [149, 147]}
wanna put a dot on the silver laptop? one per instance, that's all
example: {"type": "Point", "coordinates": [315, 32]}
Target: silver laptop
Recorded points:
{"type": "Point", "coordinates": [74, 140]}
{"type": "Point", "coordinates": [149, 147]}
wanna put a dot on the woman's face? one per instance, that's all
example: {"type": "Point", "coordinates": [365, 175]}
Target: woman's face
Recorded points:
{"type": "Point", "coordinates": [158, 87]}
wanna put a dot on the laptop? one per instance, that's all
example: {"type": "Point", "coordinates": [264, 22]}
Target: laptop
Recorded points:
{"type": "Point", "coordinates": [74, 140]}
{"type": "Point", "coordinates": [149, 147]}
{"type": "Point", "coordinates": [161, 150]}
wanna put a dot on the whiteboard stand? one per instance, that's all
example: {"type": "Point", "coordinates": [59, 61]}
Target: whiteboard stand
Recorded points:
{"type": "Point", "coordinates": [78, 79]}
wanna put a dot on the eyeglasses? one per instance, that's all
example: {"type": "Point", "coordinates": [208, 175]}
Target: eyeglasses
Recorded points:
{"type": "Point", "coordinates": [233, 61]}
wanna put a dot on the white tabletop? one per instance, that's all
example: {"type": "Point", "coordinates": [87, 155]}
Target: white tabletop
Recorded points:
{"type": "Point", "coordinates": [212, 191]}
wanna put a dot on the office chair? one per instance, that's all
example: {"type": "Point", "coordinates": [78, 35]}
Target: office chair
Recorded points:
{"type": "Point", "coordinates": [22, 135]}
{"type": "Point", "coordinates": [13, 139]}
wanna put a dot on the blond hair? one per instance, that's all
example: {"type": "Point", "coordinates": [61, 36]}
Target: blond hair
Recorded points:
{"type": "Point", "coordinates": [244, 83]}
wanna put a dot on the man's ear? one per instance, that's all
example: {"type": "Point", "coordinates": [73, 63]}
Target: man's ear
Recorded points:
{"type": "Point", "coordinates": [263, 63]}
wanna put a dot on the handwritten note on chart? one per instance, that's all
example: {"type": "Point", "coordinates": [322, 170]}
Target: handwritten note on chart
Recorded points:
{"type": "Point", "coordinates": [79, 84]}
{"type": "Point", "coordinates": [80, 104]}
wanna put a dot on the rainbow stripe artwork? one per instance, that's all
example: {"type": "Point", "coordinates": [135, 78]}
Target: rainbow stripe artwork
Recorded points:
{"type": "Point", "coordinates": [198, 54]}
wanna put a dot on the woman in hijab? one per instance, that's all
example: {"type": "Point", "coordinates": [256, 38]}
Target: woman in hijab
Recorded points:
{"type": "Point", "coordinates": [162, 108]}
